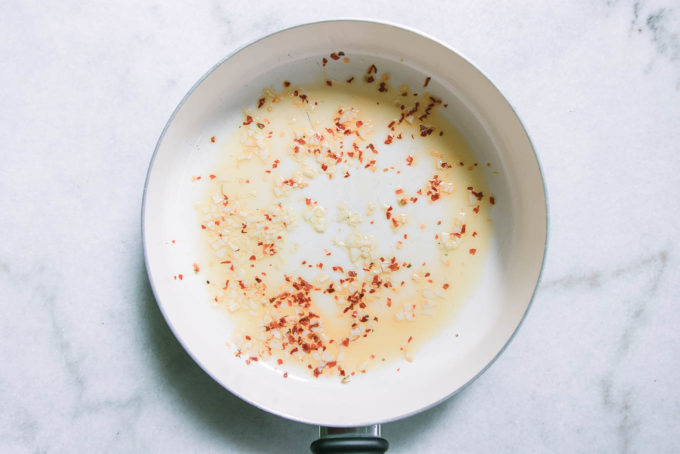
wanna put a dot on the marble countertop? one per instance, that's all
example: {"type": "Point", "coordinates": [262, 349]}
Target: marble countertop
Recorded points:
{"type": "Point", "coordinates": [88, 363]}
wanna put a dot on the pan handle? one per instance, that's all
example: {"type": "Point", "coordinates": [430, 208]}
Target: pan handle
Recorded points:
{"type": "Point", "coordinates": [346, 440]}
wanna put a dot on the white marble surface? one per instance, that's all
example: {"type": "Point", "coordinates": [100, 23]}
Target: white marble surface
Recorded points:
{"type": "Point", "coordinates": [89, 365]}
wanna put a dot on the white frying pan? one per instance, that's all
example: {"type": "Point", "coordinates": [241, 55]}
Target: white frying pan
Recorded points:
{"type": "Point", "coordinates": [488, 320]}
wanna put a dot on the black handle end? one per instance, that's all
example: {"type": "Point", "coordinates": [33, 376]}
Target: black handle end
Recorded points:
{"type": "Point", "coordinates": [339, 445]}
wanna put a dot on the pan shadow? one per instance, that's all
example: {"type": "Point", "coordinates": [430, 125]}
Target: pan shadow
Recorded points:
{"type": "Point", "coordinates": [404, 434]}
{"type": "Point", "coordinates": [225, 417]}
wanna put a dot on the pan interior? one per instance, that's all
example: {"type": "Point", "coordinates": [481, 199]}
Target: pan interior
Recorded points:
{"type": "Point", "coordinates": [494, 134]}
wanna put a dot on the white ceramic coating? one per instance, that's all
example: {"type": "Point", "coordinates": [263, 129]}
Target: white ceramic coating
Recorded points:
{"type": "Point", "coordinates": [493, 132]}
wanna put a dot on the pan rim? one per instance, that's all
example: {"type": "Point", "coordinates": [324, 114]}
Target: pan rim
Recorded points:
{"type": "Point", "coordinates": [170, 121]}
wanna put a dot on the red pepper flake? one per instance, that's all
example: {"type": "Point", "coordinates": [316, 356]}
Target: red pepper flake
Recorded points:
{"type": "Point", "coordinates": [492, 200]}
{"type": "Point", "coordinates": [445, 286]}
{"type": "Point", "coordinates": [279, 361]}
{"type": "Point", "coordinates": [335, 56]}
{"type": "Point", "coordinates": [383, 87]}
{"type": "Point", "coordinates": [180, 277]}
{"type": "Point", "coordinates": [473, 251]}
{"type": "Point", "coordinates": [410, 338]}
{"type": "Point", "coordinates": [409, 160]}
{"type": "Point", "coordinates": [248, 337]}
{"type": "Point", "coordinates": [308, 201]}
{"type": "Point", "coordinates": [350, 80]}
{"type": "Point", "coordinates": [347, 174]}
{"type": "Point", "coordinates": [249, 120]}
{"type": "Point", "coordinates": [285, 375]}
{"type": "Point", "coordinates": [478, 195]}
{"type": "Point", "coordinates": [427, 81]}
{"type": "Point", "coordinates": [462, 229]}
{"type": "Point", "coordinates": [329, 83]}
{"type": "Point", "coordinates": [474, 234]}
{"type": "Point", "coordinates": [203, 227]}
{"type": "Point", "coordinates": [425, 131]}
{"type": "Point", "coordinates": [260, 102]}
{"type": "Point", "coordinates": [212, 177]}
{"type": "Point", "coordinates": [196, 268]}
{"type": "Point", "coordinates": [286, 83]}
{"type": "Point", "coordinates": [324, 61]}
{"type": "Point", "coordinates": [389, 139]}
{"type": "Point", "coordinates": [345, 342]}
{"type": "Point", "coordinates": [213, 139]}
{"type": "Point", "coordinates": [252, 257]}
{"type": "Point", "coordinates": [399, 191]}
{"type": "Point", "coordinates": [476, 209]}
